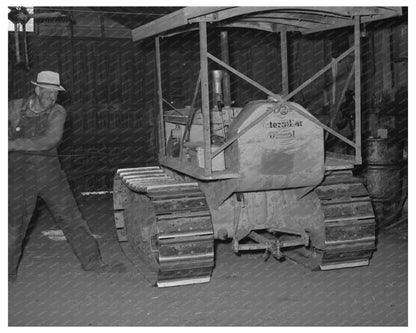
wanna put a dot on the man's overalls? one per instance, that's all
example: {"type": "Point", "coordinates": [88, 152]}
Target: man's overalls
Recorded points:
{"type": "Point", "coordinates": [39, 173]}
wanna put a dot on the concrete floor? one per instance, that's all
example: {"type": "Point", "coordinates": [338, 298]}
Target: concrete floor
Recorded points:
{"type": "Point", "coordinates": [53, 290]}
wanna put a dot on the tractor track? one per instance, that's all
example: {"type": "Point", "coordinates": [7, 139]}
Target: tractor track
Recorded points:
{"type": "Point", "coordinates": [349, 221]}
{"type": "Point", "coordinates": [177, 223]}
{"type": "Point", "coordinates": [168, 226]}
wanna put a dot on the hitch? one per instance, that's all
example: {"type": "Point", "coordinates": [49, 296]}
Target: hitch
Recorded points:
{"type": "Point", "coordinates": [272, 245]}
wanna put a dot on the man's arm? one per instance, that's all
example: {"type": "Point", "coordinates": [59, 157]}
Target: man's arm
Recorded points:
{"type": "Point", "coordinates": [47, 141]}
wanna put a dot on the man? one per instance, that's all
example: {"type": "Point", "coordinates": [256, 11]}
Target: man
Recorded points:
{"type": "Point", "coordinates": [35, 130]}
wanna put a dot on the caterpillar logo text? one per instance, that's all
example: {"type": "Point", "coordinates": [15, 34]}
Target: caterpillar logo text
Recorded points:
{"type": "Point", "coordinates": [284, 123]}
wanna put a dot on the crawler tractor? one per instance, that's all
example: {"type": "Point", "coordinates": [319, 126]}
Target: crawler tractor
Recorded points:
{"type": "Point", "coordinates": [258, 175]}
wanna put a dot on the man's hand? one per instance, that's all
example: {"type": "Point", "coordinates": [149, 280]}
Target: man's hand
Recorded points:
{"type": "Point", "coordinates": [49, 139]}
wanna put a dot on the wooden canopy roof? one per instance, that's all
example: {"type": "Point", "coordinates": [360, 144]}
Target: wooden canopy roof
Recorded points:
{"type": "Point", "coordinates": [273, 19]}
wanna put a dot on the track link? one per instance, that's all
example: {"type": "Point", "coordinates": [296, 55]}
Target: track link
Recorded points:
{"type": "Point", "coordinates": [167, 223]}
{"type": "Point", "coordinates": [349, 225]}
{"type": "Point", "coordinates": [349, 221]}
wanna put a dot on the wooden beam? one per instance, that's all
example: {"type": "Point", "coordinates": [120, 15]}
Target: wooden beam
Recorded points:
{"type": "Point", "coordinates": [187, 15]}
{"type": "Point", "coordinates": [334, 72]}
{"type": "Point", "coordinates": [238, 11]}
{"type": "Point", "coordinates": [228, 13]}
{"type": "Point", "coordinates": [191, 115]}
{"type": "Point", "coordinates": [333, 22]}
{"type": "Point", "coordinates": [348, 11]}
{"type": "Point", "coordinates": [338, 106]}
{"type": "Point", "coordinates": [171, 21]}
{"type": "Point", "coordinates": [244, 77]}
{"type": "Point", "coordinates": [357, 77]}
{"type": "Point", "coordinates": [264, 115]}
{"type": "Point", "coordinates": [167, 22]}
{"type": "Point", "coordinates": [310, 17]}
{"type": "Point", "coordinates": [162, 141]}
{"type": "Point", "coordinates": [298, 24]}
{"type": "Point", "coordinates": [278, 98]}
{"type": "Point", "coordinates": [205, 98]}
{"type": "Point", "coordinates": [322, 71]}
{"type": "Point", "coordinates": [264, 26]}
{"type": "Point", "coordinates": [283, 56]}
{"type": "Point", "coordinates": [364, 19]}
{"type": "Point", "coordinates": [386, 60]}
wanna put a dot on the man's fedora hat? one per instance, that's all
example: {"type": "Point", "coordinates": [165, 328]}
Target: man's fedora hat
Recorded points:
{"type": "Point", "coordinates": [48, 80]}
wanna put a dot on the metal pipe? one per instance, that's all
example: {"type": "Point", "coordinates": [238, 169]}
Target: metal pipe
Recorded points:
{"type": "Point", "coordinates": [217, 77]}
{"type": "Point", "coordinates": [225, 57]}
